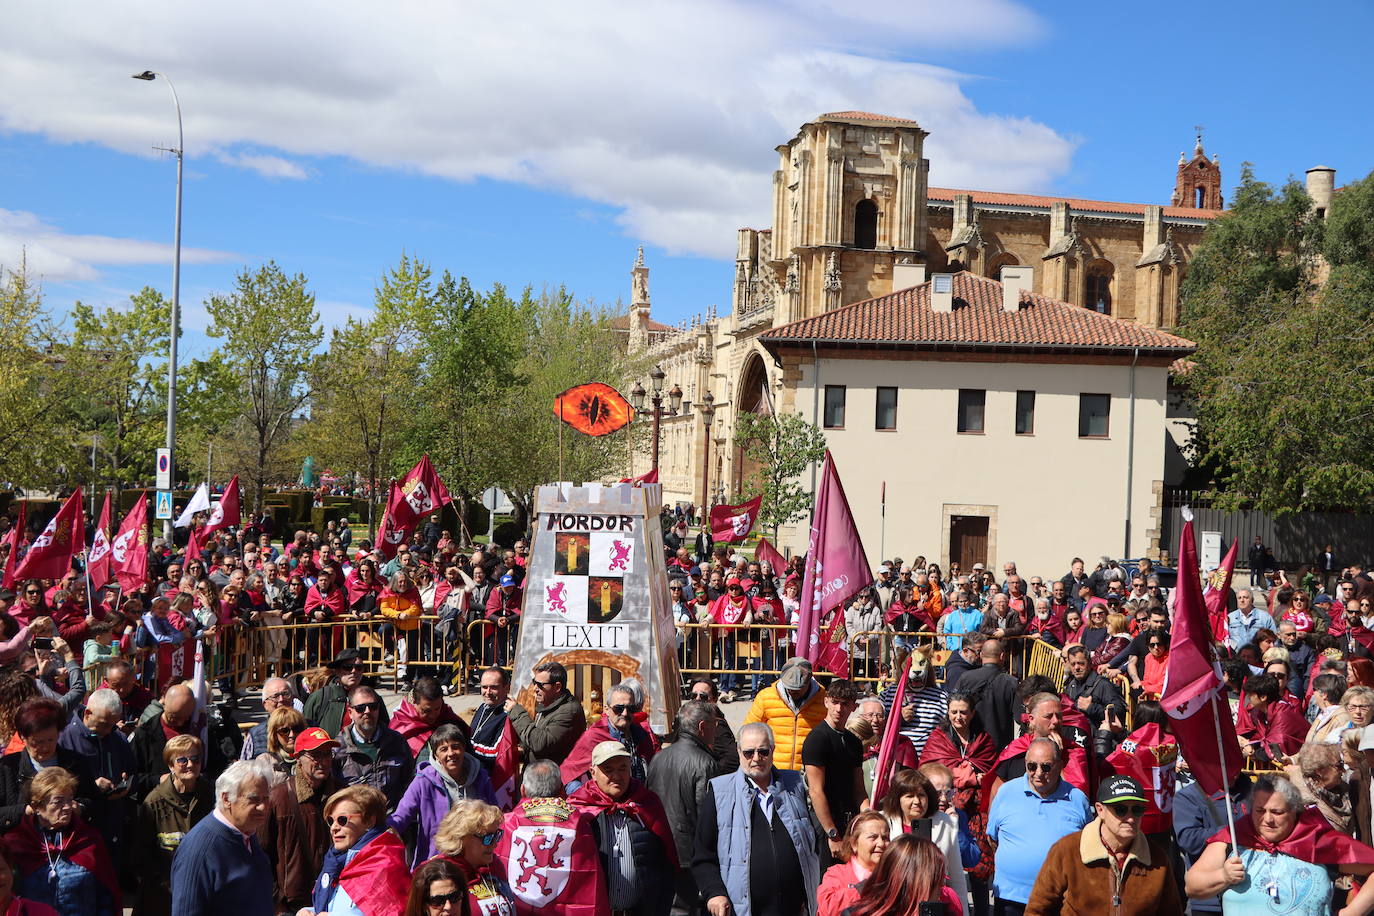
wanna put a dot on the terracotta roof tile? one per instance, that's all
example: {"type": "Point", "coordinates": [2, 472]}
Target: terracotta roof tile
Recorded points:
{"type": "Point", "coordinates": [993, 198]}
{"type": "Point", "coordinates": [904, 318]}
{"type": "Point", "coordinates": [622, 323]}
{"type": "Point", "coordinates": [865, 116]}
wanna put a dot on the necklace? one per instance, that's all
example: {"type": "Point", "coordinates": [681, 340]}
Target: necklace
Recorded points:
{"type": "Point", "coordinates": [61, 848]}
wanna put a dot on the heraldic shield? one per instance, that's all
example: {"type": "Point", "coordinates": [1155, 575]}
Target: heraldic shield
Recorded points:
{"type": "Point", "coordinates": [596, 595]}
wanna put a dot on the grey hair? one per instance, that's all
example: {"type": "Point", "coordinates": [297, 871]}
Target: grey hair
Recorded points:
{"type": "Point", "coordinates": [1280, 786]}
{"type": "Point", "coordinates": [759, 727]}
{"type": "Point", "coordinates": [241, 773]}
{"type": "Point", "coordinates": [542, 779]}
{"type": "Point", "coordinates": [869, 699]}
{"type": "Point", "coordinates": [106, 700]}
{"type": "Point", "coordinates": [1046, 742]}
{"type": "Point", "coordinates": [691, 714]}
{"type": "Point", "coordinates": [272, 680]}
{"type": "Point", "coordinates": [634, 686]}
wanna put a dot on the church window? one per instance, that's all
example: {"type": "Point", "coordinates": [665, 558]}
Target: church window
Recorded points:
{"type": "Point", "coordinates": [866, 224]}
{"type": "Point", "coordinates": [1201, 193]}
{"type": "Point", "coordinates": [1099, 287]}
{"type": "Point", "coordinates": [834, 406]}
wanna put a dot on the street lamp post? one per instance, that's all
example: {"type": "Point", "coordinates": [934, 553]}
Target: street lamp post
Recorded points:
{"type": "Point", "coordinates": [657, 412]}
{"type": "Point", "coordinates": [707, 409]}
{"type": "Point", "coordinates": [176, 296]}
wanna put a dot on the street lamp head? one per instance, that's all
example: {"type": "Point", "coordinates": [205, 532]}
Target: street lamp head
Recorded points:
{"type": "Point", "coordinates": [637, 396]}
{"type": "Point", "coordinates": [675, 399]}
{"type": "Point", "coordinates": [145, 75]}
{"type": "Point", "coordinates": [656, 379]}
{"type": "Point", "coordinates": [707, 408]}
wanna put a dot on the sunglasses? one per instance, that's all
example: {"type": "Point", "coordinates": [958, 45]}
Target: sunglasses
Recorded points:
{"type": "Point", "coordinates": [1039, 767]}
{"type": "Point", "coordinates": [752, 752]}
{"type": "Point", "coordinates": [1124, 811]}
{"type": "Point", "coordinates": [703, 697]}
{"type": "Point", "coordinates": [438, 900]}
{"type": "Point", "coordinates": [621, 709]}
{"type": "Point", "coordinates": [489, 839]}
{"type": "Point", "coordinates": [186, 761]}
{"type": "Point", "coordinates": [367, 707]}
{"type": "Point", "coordinates": [540, 685]}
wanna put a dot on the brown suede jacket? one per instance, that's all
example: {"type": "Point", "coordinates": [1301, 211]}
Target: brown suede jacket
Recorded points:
{"type": "Point", "coordinates": [1080, 878]}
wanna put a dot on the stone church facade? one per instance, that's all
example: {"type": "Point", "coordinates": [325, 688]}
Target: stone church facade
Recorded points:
{"type": "Point", "coordinates": [854, 218]}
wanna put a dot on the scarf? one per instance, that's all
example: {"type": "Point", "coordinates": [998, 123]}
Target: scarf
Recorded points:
{"type": "Point", "coordinates": [727, 612]}
{"type": "Point", "coordinates": [1312, 840]}
{"type": "Point", "coordinates": [334, 862]}
{"type": "Point", "coordinates": [29, 848]}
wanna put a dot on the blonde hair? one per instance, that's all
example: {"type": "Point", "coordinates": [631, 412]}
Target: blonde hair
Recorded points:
{"type": "Point", "coordinates": [180, 744]}
{"type": "Point", "coordinates": [282, 717]}
{"type": "Point", "coordinates": [1116, 624]}
{"type": "Point", "coordinates": [468, 817]}
{"type": "Point", "coordinates": [48, 782]}
{"type": "Point", "coordinates": [371, 802]}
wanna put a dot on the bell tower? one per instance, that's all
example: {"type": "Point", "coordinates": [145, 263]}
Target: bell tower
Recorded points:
{"type": "Point", "coordinates": [1198, 185]}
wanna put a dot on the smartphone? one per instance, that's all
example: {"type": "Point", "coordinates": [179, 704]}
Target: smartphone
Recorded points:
{"type": "Point", "coordinates": [920, 828]}
{"type": "Point", "coordinates": [43, 642]}
{"type": "Point", "coordinates": [932, 908]}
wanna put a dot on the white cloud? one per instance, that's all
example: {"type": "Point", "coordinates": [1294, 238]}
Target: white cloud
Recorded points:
{"type": "Point", "coordinates": [265, 165]}
{"type": "Point", "coordinates": [667, 111]}
{"type": "Point", "coordinates": [56, 257]}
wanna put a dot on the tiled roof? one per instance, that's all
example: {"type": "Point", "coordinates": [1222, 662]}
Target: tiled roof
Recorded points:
{"type": "Point", "coordinates": [865, 116]}
{"type": "Point", "coordinates": [904, 319]}
{"type": "Point", "coordinates": [622, 323]}
{"type": "Point", "coordinates": [992, 198]}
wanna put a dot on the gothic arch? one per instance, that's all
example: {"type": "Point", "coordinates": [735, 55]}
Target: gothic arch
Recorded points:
{"type": "Point", "coordinates": [1099, 286]}
{"type": "Point", "coordinates": [752, 396]}
{"type": "Point", "coordinates": [997, 262]}
{"type": "Point", "coordinates": [866, 224]}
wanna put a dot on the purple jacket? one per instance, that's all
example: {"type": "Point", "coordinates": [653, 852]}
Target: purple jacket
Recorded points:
{"type": "Point", "coordinates": [426, 802]}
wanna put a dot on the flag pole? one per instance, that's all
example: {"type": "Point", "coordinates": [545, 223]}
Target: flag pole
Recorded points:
{"type": "Point", "coordinates": [882, 539]}
{"type": "Point", "coordinates": [1226, 789]}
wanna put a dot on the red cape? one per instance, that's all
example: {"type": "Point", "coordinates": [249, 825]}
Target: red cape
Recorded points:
{"type": "Point", "coordinates": [1076, 770]}
{"type": "Point", "coordinates": [639, 803]}
{"type": "Point", "coordinates": [1149, 756]}
{"type": "Point", "coordinates": [358, 588]}
{"type": "Point", "coordinates": [1312, 840]}
{"type": "Point", "coordinates": [579, 759]}
{"type": "Point", "coordinates": [406, 720]}
{"type": "Point", "coordinates": [533, 867]}
{"type": "Point", "coordinates": [85, 848]}
{"type": "Point", "coordinates": [940, 748]}
{"type": "Point", "coordinates": [377, 879]}
{"type": "Point", "coordinates": [725, 612]}
{"type": "Point", "coordinates": [335, 603]}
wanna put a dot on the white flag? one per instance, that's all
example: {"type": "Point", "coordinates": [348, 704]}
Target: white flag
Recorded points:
{"type": "Point", "coordinates": [200, 502]}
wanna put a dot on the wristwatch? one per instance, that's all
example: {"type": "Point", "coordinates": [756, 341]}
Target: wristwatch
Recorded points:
{"type": "Point", "coordinates": [832, 834]}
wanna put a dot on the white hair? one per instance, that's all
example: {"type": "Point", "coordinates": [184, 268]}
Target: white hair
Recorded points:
{"type": "Point", "coordinates": [267, 685]}
{"type": "Point", "coordinates": [105, 700]}
{"type": "Point", "coordinates": [542, 780]}
{"type": "Point", "coordinates": [634, 687]}
{"type": "Point", "coordinates": [760, 727]}
{"type": "Point", "coordinates": [241, 773]}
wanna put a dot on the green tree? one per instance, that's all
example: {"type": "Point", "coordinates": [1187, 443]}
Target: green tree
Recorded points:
{"type": "Point", "coordinates": [123, 401]}
{"type": "Point", "coordinates": [364, 382]}
{"type": "Point", "coordinates": [271, 332]}
{"type": "Point", "coordinates": [1281, 305]}
{"type": "Point", "coordinates": [207, 409]}
{"type": "Point", "coordinates": [779, 448]}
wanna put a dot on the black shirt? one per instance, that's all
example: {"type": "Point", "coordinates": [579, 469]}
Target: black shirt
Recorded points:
{"type": "Point", "coordinates": [840, 753]}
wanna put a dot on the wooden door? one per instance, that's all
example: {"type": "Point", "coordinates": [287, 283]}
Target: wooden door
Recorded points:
{"type": "Point", "coordinates": [968, 540]}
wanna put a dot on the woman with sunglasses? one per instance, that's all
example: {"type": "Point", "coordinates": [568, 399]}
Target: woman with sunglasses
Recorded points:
{"type": "Point", "coordinates": [284, 724]}
{"type": "Point", "coordinates": [466, 840]}
{"type": "Point", "coordinates": [364, 873]}
{"type": "Point", "coordinates": [1156, 665]}
{"type": "Point", "coordinates": [168, 813]}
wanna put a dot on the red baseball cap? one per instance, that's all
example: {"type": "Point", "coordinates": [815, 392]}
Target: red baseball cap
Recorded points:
{"type": "Point", "coordinates": [733, 580]}
{"type": "Point", "coordinates": [312, 739]}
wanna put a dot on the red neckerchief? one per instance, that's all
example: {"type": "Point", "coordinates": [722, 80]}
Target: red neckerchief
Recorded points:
{"type": "Point", "coordinates": [1312, 840]}
{"type": "Point", "coordinates": [638, 803]}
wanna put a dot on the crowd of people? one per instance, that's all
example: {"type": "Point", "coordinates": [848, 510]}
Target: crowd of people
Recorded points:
{"type": "Point", "coordinates": [1002, 789]}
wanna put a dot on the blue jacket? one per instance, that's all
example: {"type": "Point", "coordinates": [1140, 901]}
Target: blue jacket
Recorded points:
{"type": "Point", "coordinates": [215, 874]}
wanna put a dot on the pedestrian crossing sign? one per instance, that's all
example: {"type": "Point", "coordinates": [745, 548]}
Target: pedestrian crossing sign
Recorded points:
{"type": "Point", "coordinates": [164, 504]}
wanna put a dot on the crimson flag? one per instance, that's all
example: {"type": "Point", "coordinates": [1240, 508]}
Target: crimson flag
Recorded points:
{"type": "Point", "coordinates": [15, 538]}
{"type": "Point", "coordinates": [836, 569]}
{"type": "Point", "coordinates": [50, 557]}
{"type": "Point", "coordinates": [421, 493]}
{"type": "Point", "coordinates": [733, 523]}
{"type": "Point", "coordinates": [129, 549]}
{"type": "Point", "coordinates": [1194, 689]}
{"type": "Point", "coordinates": [882, 768]}
{"type": "Point", "coordinates": [547, 854]}
{"type": "Point", "coordinates": [392, 533]}
{"type": "Point", "coordinates": [767, 553]}
{"type": "Point", "coordinates": [1218, 592]}
{"type": "Point", "coordinates": [647, 477]}
{"type": "Point", "coordinates": [98, 558]}
{"type": "Point", "coordinates": [1149, 755]}
{"type": "Point", "coordinates": [226, 512]}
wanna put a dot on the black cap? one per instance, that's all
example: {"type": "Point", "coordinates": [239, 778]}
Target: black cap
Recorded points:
{"type": "Point", "coordinates": [1119, 789]}
{"type": "Point", "coordinates": [346, 657]}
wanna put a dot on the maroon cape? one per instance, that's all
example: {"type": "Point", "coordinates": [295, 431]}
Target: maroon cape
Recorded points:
{"type": "Point", "coordinates": [406, 720]}
{"type": "Point", "coordinates": [539, 862]}
{"type": "Point", "coordinates": [941, 748]}
{"type": "Point", "coordinates": [1312, 840]}
{"type": "Point", "coordinates": [376, 879]}
{"type": "Point", "coordinates": [335, 603]}
{"type": "Point", "coordinates": [638, 803]}
{"type": "Point", "coordinates": [29, 851]}
{"type": "Point", "coordinates": [579, 759]}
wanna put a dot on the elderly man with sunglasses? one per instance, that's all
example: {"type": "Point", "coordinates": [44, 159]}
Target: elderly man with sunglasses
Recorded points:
{"type": "Point", "coordinates": [1109, 866]}
{"type": "Point", "coordinates": [370, 753]}
{"type": "Point", "coordinates": [618, 723]}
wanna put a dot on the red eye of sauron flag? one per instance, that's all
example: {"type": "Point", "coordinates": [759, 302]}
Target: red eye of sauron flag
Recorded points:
{"type": "Point", "coordinates": [594, 409]}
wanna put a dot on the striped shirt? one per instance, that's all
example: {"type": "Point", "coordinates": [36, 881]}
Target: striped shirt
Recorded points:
{"type": "Point", "coordinates": [930, 703]}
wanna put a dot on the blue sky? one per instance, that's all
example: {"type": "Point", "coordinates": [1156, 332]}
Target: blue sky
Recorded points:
{"type": "Point", "coordinates": [540, 144]}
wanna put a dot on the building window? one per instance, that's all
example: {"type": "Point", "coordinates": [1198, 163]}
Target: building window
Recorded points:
{"type": "Point", "coordinates": [866, 224]}
{"type": "Point", "coordinates": [1025, 413]}
{"type": "Point", "coordinates": [834, 406]}
{"type": "Point", "coordinates": [1099, 292]}
{"type": "Point", "coordinates": [1094, 416]}
{"type": "Point", "coordinates": [885, 417]}
{"type": "Point", "coordinates": [971, 401]}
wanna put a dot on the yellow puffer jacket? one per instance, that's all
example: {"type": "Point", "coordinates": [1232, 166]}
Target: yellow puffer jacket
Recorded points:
{"type": "Point", "coordinates": [789, 729]}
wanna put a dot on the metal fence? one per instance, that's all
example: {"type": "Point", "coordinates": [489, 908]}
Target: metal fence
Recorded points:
{"type": "Point", "coordinates": [1295, 539]}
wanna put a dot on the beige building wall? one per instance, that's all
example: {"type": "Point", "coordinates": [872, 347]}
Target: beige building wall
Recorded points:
{"type": "Point", "coordinates": [1049, 496]}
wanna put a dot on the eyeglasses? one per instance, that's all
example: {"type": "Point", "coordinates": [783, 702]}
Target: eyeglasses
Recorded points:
{"type": "Point", "coordinates": [1156, 645]}
{"type": "Point", "coordinates": [489, 839]}
{"type": "Point", "coordinates": [438, 900]}
{"type": "Point", "coordinates": [186, 761]}
{"type": "Point", "coordinates": [292, 729]}
{"type": "Point", "coordinates": [703, 697]}
{"type": "Point", "coordinates": [1039, 767]}
{"type": "Point", "coordinates": [1125, 811]}
{"type": "Point", "coordinates": [338, 820]}
{"type": "Point", "coordinates": [59, 802]}
{"type": "Point", "coordinates": [367, 707]}
{"type": "Point", "coordinates": [752, 752]}
{"type": "Point", "coordinates": [621, 709]}
{"type": "Point", "coordinates": [279, 696]}
{"type": "Point", "coordinates": [1358, 706]}
{"type": "Point", "coordinates": [353, 667]}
